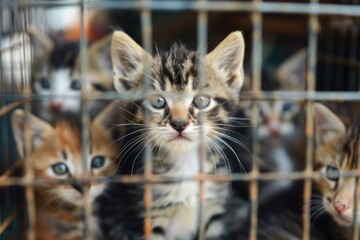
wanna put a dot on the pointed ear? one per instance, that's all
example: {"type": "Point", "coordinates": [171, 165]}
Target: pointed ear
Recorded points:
{"type": "Point", "coordinates": [292, 71]}
{"type": "Point", "coordinates": [127, 61]}
{"type": "Point", "coordinates": [99, 53]}
{"type": "Point", "coordinates": [107, 118]}
{"type": "Point", "coordinates": [41, 43]}
{"type": "Point", "coordinates": [99, 59]}
{"type": "Point", "coordinates": [327, 124]}
{"type": "Point", "coordinates": [228, 58]}
{"type": "Point", "coordinates": [37, 128]}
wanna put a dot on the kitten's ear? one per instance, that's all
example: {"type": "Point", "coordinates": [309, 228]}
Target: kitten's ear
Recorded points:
{"type": "Point", "coordinates": [128, 61]}
{"type": "Point", "coordinates": [99, 58]}
{"type": "Point", "coordinates": [41, 43]}
{"type": "Point", "coordinates": [107, 118]}
{"type": "Point", "coordinates": [327, 124]}
{"type": "Point", "coordinates": [228, 58]}
{"type": "Point", "coordinates": [292, 71]}
{"type": "Point", "coordinates": [38, 130]}
{"type": "Point", "coordinates": [99, 53]}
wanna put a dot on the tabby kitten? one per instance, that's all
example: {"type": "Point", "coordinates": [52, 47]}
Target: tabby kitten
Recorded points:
{"type": "Point", "coordinates": [337, 151]}
{"type": "Point", "coordinates": [174, 101]}
{"type": "Point", "coordinates": [279, 131]}
{"type": "Point", "coordinates": [56, 76]}
{"type": "Point", "coordinates": [56, 155]}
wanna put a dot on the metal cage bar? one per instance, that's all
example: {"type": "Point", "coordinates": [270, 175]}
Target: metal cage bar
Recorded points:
{"type": "Point", "coordinates": [257, 8]}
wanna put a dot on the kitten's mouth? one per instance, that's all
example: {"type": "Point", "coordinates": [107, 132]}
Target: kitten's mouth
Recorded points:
{"type": "Point", "coordinates": [180, 138]}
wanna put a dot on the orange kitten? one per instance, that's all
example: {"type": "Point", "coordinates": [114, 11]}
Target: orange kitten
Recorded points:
{"type": "Point", "coordinates": [56, 155]}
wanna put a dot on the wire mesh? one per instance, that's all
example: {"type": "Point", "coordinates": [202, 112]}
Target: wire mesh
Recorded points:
{"type": "Point", "coordinates": [331, 40]}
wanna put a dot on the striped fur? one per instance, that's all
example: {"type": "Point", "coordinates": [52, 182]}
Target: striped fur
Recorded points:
{"type": "Point", "coordinates": [337, 152]}
{"type": "Point", "coordinates": [176, 98]}
{"type": "Point", "coordinates": [59, 206]}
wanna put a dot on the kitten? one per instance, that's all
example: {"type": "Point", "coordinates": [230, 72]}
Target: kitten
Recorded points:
{"type": "Point", "coordinates": [174, 101]}
{"type": "Point", "coordinates": [279, 131]}
{"type": "Point", "coordinates": [56, 155]}
{"type": "Point", "coordinates": [56, 75]}
{"type": "Point", "coordinates": [337, 151]}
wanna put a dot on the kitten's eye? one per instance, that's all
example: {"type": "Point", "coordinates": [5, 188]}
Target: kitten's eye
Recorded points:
{"type": "Point", "coordinates": [157, 101]}
{"type": "Point", "coordinates": [76, 85]}
{"type": "Point", "coordinates": [287, 107]}
{"type": "Point", "coordinates": [97, 162]}
{"type": "Point", "coordinates": [45, 83]}
{"type": "Point", "coordinates": [60, 169]}
{"type": "Point", "coordinates": [332, 173]}
{"type": "Point", "coordinates": [201, 101]}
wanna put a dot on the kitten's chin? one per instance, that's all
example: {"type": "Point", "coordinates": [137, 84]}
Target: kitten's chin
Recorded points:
{"type": "Point", "coordinates": [343, 220]}
{"type": "Point", "coordinates": [181, 144]}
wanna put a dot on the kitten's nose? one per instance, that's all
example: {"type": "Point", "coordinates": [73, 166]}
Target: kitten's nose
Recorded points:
{"type": "Point", "coordinates": [55, 106]}
{"type": "Point", "coordinates": [340, 207]}
{"type": "Point", "coordinates": [77, 187]}
{"type": "Point", "coordinates": [179, 125]}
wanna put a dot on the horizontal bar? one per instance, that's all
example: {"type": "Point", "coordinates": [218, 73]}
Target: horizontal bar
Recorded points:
{"type": "Point", "coordinates": [131, 179]}
{"type": "Point", "coordinates": [264, 95]}
{"type": "Point", "coordinates": [263, 7]}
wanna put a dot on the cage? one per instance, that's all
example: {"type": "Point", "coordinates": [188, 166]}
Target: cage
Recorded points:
{"type": "Point", "coordinates": [322, 35]}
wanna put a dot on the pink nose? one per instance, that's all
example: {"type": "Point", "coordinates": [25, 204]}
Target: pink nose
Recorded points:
{"type": "Point", "coordinates": [274, 128]}
{"type": "Point", "coordinates": [56, 106]}
{"type": "Point", "coordinates": [340, 207]}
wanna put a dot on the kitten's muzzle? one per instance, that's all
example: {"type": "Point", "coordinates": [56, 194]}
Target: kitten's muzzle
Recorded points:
{"type": "Point", "coordinates": [179, 125]}
{"type": "Point", "coordinates": [78, 187]}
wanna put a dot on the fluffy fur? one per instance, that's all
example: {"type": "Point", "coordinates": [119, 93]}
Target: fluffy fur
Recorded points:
{"type": "Point", "coordinates": [176, 101]}
{"type": "Point", "coordinates": [56, 155]}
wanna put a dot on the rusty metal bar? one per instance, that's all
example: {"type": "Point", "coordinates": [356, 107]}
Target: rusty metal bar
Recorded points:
{"type": "Point", "coordinates": [202, 20]}
{"type": "Point", "coordinates": [340, 96]}
{"type": "Point", "coordinates": [85, 117]}
{"type": "Point", "coordinates": [256, 88]}
{"type": "Point", "coordinates": [309, 122]}
{"type": "Point", "coordinates": [136, 178]}
{"type": "Point", "coordinates": [146, 28]}
{"type": "Point", "coordinates": [264, 7]}
{"type": "Point", "coordinates": [5, 224]}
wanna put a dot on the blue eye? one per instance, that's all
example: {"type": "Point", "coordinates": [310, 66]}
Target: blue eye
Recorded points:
{"type": "Point", "coordinates": [45, 83]}
{"type": "Point", "coordinates": [60, 169]}
{"type": "Point", "coordinates": [332, 173]}
{"type": "Point", "coordinates": [201, 101]}
{"type": "Point", "coordinates": [76, 85]}
{"type": "Point", "coordinates": [97, 162]}
{"type": "Point", "coordinates": [287, 107]}
{"type": "Point", "coordinates": [157, 101]}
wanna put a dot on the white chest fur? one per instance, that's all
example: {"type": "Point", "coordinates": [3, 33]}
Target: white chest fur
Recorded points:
{"type": "Point", "coordinates": [186, 165]}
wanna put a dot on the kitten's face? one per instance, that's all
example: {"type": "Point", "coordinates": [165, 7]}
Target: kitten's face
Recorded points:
{"type": "Point", "coordinates": [176, 97]}
{"type": "Point", "coordinates": [276, 119]}
{"type": "Point", "coordinates": [57, 155]}
{"type": "Point", "coordinates": [56, 72]}
{"type": "Point", "coordinates": [336, 153]}
{"type": "Point", "coordinates": [61, 86]}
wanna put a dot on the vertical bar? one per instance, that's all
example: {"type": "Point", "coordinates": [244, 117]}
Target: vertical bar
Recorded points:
{"type": "Point", "coordinates": [85, 118]}
{"type": "Point", "coordinates": [29, 174]}
{"type": "Point", "coordinates": [146, 28]}
{"type": "Point", "coordinates": [202, 19]}
{"type": "Point", "coordinates": [256, 88]}
{"type": "Point", "coordinates": [309, 121]}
